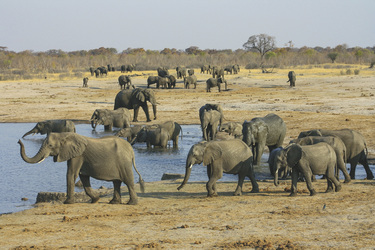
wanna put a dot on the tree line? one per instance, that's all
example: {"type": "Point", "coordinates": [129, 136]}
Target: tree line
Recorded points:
{"type": "Point", "coordinates": [29, 64]}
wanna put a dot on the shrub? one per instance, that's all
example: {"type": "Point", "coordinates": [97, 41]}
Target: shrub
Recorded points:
{"type": "Point", "coordinates": [356, 72]}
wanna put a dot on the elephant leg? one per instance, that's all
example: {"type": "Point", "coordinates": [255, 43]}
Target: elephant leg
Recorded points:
{"type": "Point", "coordinates": [87, 186]}
{"type": "Point", "coordinates": [132, 194]}
{"type": "Point", "coordinates": [209, 174]}
{"type": "Point", "coordinates": [341, 166]}
{"type": "Point", "coordinates": [308, 175]}
{"type": "Point", "coordinates": [295, 175]}
{"type": "Point", "coordinates": [241, 178]}
{"type": "Point", "coordinates": [211, 184]}
{"type": "Point", "coordinates": [135, 117]}
{"type": "Point", "coordinates": [364, 162]}
{"type": "Point", "coordinates": [145, 109]}
{"type": "Point", "coordinates": [175, 141]}
{"type": "Point", "coordinates": [74, 165]}
{"type": "Point", "coordinates": [251, 176]}
{"type": "Point", "coordinates": [116, 192]}
{"type": "Point", "coordinates": [329, 186]}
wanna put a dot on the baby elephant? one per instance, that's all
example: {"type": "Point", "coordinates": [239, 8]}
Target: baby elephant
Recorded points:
{"type": "Point", "coordinates": [49, 126]}
{"type": "Point", "coordinates": [85, 81]}
{"type": "Point", "coordinates": [229, 156]}
{"type": "Point", "coordinates": [317, 159]}
{"type": "Point", "coordinates": [119, 118]}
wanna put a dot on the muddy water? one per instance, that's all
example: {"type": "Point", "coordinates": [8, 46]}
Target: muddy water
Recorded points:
{"type": "Point", "coordinates": [22, 180]}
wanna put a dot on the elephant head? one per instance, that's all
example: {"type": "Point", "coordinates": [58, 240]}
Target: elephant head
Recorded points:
{"type": "Point", "coordinates": [287, 157]}
{"type": "Point", "coordinates": [144, 95]}
{"type": "Point", "coordinates": [62, 146]}
{"type": "Point", "coordinates": [314, 132]}
{"type": "Point", "coordinates": [41, 128]}
{"type": "Point", "coordinates": [195, 156]}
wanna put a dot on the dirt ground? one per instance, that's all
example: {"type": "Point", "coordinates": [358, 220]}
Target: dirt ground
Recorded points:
{"type": "Point", "coordinates": [171, 219]}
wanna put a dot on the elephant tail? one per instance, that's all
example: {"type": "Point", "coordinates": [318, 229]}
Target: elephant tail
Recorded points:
{"type": "Point", "coordinates": [141, 181]}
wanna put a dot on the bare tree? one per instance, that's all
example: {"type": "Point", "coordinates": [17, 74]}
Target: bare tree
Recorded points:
{"type": "Point", "coordinates": [261, 43]}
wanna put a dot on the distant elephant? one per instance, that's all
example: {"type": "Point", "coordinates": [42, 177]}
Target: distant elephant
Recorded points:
{"type": "Point", "coordinates": [229, 69]}
{"type": "Point", "coordinates": [264, 131]}
{"type": "Point", "coordinates": [163, 82]}
{"type": "Point", "coordinates": [336, 143]}
{"type": "Point", "coordinates": [162, 71]}
{"type": "Point", "coordinates": [190, 72]}
{"type": "Point", "coordinates": [210, 122]}
{"type": "Point", "coordinates": [153, 136]}
{"type": "Point", "coordinates": [109, 158]}
{"type": "Point", "coordinates": [119, 118]}
{"type": "Point", "coordinates": [181, 72]}
{"type": "Point", "coordinates": [103, 71]}
{"type": "Point", "coordinates": [49, 126]}
{"type": "Point", "coordinates": [292, 78]}
{"type": "Point", "coordinates": [215, 82]}
{"type": "Point", "coordinates": [233, 128]}
{"type": "Point", "coordinates": [134, 99]}
{"type": "Point", "coordinates": [317, 159]}
{"type": "Point", "coordinates": [125, 82]}
{"type": "Point", "coordinates": [190, 81]}
{"type": "Point", "coordinates": [236, 69]}
{"type": "Point", "coordinates": [97, 73]}
{"type": "Point", "coordinates": [206, 69]}
{"type": "Point", "coordinates": [172, 80]}
{"type": "Point", "coordinates": [230, 156]}
{"type": "Point", "coordinates": [129, 133]}
{"type": "Point", "coordinates": [152, 80]}
{"type": "Point", "coordinates": [217, 72]}
{"type": "Point", "coordinates": [85, 81]}
{"type": "Point", "coordinates": [92, 71]}
{"type": "Point", "coordinates": [355, 147]}
{"type": "Point", "coordinates": [209, 106]}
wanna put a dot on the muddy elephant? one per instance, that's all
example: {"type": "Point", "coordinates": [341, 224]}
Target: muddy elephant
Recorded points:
{"type": "Point", "coordinates": [215, 82]}
{"type": "Point", "coordinates": [49, 126]}
{"type": "Point", "coordinates": [153, 136]}
{"type": "Point", "coordinates": [210, 122]}
{"type": "Point", "coordinates": [267, 131]}
{"type": "Point", "coordinates": [292, 78]}
{"type": "Point", "coordinates": [336, 143]}
{"type": "Point", "coordinates": [230, 156]}
{"type": "Point", "coordinates": [109, 158]}
{"type": "Point", "coordinates": [190, 81]}
{"type": "Point", "coordinates": [232, 128]}
{"type": "Point", "coordinates": [130, 133]}
{"type": "Point", "coordinates": [119, 118]}
{"type": "Point", "coordinates": [125, 82]}
{"type": "Point", "coordinates": [355, 147]}
{"type": "Point", "coordinates": [317, 159]}
{"type": "Point", "coordinates": [134, 99]}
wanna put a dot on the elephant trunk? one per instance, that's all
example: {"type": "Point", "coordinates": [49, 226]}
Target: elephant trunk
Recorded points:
{"type": "Point", "coordinates": [276, 177]}
{"type": "Point", "coordinates": [93, 124]}
{"type": "Point", "coordinates": [39, 157]}
{"type": "Point", "coordinates": [33, 131]}
{"type": "Point", "coordinates": [154, 110]}
{"type": "Point", "coordinates": [189, 165]}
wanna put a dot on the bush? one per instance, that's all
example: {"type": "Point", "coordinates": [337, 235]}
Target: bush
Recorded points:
{"type": "Point", "coordinates": [356, 72]}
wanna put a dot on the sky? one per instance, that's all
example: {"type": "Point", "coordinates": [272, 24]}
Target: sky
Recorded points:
{"type": "Point", "coordinates": [70, 25]}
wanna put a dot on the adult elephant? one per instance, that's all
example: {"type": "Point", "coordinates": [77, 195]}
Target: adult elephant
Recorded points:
{"type": "Point", "coordinates": [292, 78]}
{"type": "Point", "coordinates": [134, 99]}
{"type": "Point", "coordinates": [317, 159]}
{"type": "Point", "coordinates": [215, 82]}
{"type": "Point", "coordinates": [109, 158]}
{"type": "Point", "coordinates": [119, 118]}
{"type": "Point", "coordinates": [190, 81]}
{"type": "Point", "coordinates": [153, 136]}
{"type": "Point", "coordinates": [336, 143]}
{"type": "Point", "coordinates": [355, 147]}
{"type": "Point", "coordinates": [230, 156]}
{"type": "Point", "coordinates": [217, 72]}
{"type": "Point", "coordinates": [49, 126]}
{"type": "Point", "coordinates": [283, 170]}
{"type": "Point", "coordinates": [181, 72]}
{"type": "Point", "coordinates": [163, 82]}
{"type": "Point", "coordinates": [97, 72]}
{"type": "Point", "coordinates": [125, 82]}
{"type": "Point", "coordinates": [263, 131]}
{"type": "Point", "coordinates": [210, 122]}
{"type": "Point", "coordinates": [162, 71]}
{"type": "Point", "coordinates": [212, 106]}
{"type": "Point", "coordinates": [172, 80]}
{"type": "Point", "coordinates": [152, 80]}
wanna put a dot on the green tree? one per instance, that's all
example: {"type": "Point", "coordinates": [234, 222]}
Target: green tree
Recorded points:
{"type": "Point", "coordinates": [333, 56]}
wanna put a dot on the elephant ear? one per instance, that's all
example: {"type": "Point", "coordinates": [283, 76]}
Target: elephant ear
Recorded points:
{"type": "Point", "coordinates": [211, 153]}
{"type": "Point", "coordinates": [293, 154]}
{"type": "Point", "coordinates": [140, 96]}
{"type": "Point", "coordinates": [71, 146]}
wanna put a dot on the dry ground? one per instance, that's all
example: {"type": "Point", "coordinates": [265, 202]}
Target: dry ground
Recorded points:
{"type": "Point", "coordinates": [167, 218]}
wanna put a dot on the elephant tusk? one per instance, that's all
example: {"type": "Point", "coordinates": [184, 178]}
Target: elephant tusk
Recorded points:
{"type": "Point", "coordinates": [42, 160]}
{"type": "Point", "coordinates": [191, 165]}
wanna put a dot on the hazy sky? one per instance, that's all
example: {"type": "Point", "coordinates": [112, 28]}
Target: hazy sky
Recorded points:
{"type": "Point", "coordinates": [69, 25]}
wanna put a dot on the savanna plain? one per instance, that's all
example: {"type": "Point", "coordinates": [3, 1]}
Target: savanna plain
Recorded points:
{"type": "Point", "coordinates": [171, 219]}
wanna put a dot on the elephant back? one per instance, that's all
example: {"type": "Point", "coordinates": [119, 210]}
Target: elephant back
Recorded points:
{"type": "Point", "coordinates": [123, 99]}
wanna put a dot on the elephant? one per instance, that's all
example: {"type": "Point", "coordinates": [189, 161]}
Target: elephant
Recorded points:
{"type": "Point", "coordinates": [109, 158]}
{"type": "Point", "coordinates": [152, 80]}
{"type": "Point", "coordinates": [172, 80]}
{"type": "Point", "coordinates": [292, 78]}
{"type": "Point", "coordinates": [233, 128]}
{"type": "Point", "coordinates": [190, 81]}
{"type": "Point", "coordinates": [209, 106]}
{"type": "Point", "coordinates": [284, 171]}
{"type": "Point", "coordinates": [210, 122]}
{"type": "Point", "coordinates": [229, 69]}
{"type": "Point", "coordinates": [355, 147]}
{"type": "Point", "coordinates": [162, 71]}
{"type": "Point", "coordinates": [134, 99]}
{"type": "Point", "coordinates": [153, 136]}
{"type": "Point", "coordinates": [206, 69]}
{"type": "Point", "coordinates": [103, 71]}
{"type": "Point", "coordinates": [229, 156]}
{"type": "Point", "coordinates": [336, 143]}
{"type": "Point", "coordinates": [49, 126]}
{"type": "Point", "coordinates": [85, 81]}
{"type": "Point", "coordinates": [97, 73]}
{"type": "Point", "coordinates": [236, 68]}
{"type": "Point", "coordinates": [217, 72]}
{"type": "Point", "coordinates": [190, 72]}
{"type": "Point", "coordinates": [215, 82]}
{"type": "Point", "coordinates": [264, 131]}
{"type": "Point", "coordinates": [92, 71]}
{"type": "Point", "coordinates": [130, 133]}
{"type": "Point", "coordinates": [181, 72]}
{"type": "Point", "coordinates": [316, 159]}
{"type": "Point", "coordinates": [119, 118]}
{"type": "Point", "coordinates": [163, 82]}
{"type": "Point", "coordinates": [174, 129]}
{"type": "Point", "coordinates": [125, 82]}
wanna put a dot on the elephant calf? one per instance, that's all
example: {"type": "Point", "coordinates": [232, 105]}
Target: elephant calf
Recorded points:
{"type": "Point", "coordinates": [190, 81]}
{"type": "Point", "coordinates": [49, 126]}
{"type": "Point", "coordinates": [233, 128]}
{"type": "Point", "coordinates": [119, 118]}
{"type": "Point", "coordinates": [130, 133]}
{"type": "Point", "coordinates": [230, 156]}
